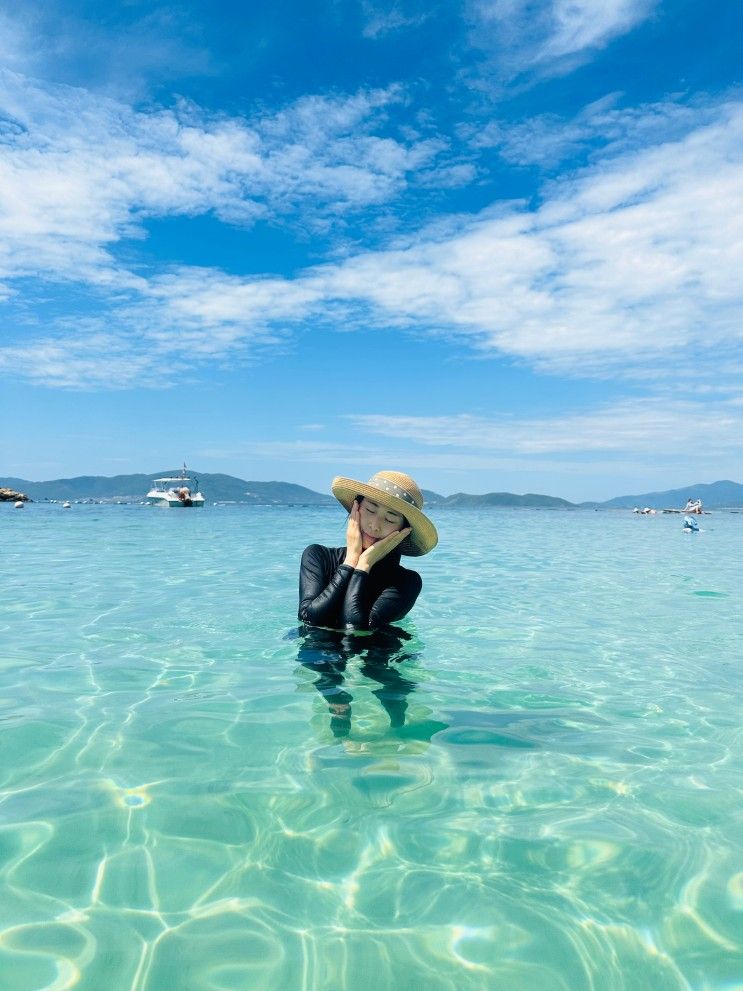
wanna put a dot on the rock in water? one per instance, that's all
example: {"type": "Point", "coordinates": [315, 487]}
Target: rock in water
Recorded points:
{"type": "Point", "coordinates": [10, 495]}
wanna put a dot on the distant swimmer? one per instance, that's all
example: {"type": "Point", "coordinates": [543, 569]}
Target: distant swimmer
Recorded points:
{"type": "Point", "coordinates": [690, 525]}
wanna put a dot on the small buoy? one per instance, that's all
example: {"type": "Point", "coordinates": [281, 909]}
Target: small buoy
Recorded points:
{"type": "Point", "coordinates": [66, 505]}
{"type": "Point", "coordinates": [18, 505]}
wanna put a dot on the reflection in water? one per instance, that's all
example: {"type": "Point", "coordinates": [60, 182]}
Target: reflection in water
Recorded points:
{"type": "Point", "coordinates": [327, 652]}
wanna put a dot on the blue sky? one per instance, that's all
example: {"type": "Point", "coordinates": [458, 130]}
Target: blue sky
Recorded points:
{"type": "Point", "coordinates": [495, 243]}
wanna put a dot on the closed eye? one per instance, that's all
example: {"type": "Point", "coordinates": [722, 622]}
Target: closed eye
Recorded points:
{"type": "Point", "coordinates": [372, 507]}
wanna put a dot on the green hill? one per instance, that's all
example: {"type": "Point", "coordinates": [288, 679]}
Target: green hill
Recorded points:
{"type": "Point", "coordinates": [714, 495]}
{"type": "Point", "coordinates": [228, 488]}
{"type": "Point", "coordinates": [463, 501]}
{"type": "Point", "coordinates": [216, 488]}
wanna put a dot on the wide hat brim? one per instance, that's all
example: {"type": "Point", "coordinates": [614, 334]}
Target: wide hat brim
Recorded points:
{"type": "Point", "coordinates": [423, 537]}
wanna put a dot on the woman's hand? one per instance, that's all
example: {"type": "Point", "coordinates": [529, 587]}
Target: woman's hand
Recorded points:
{"type": "Point", "coordinates": [353, 537]}
{"type": "Point", "coordinates": [372, 555]}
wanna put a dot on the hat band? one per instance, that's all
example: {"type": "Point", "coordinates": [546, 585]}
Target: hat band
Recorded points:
{"type": "Point", "coordinates": [387, 486]}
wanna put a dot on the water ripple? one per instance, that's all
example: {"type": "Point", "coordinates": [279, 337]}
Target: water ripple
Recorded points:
{"type": "Point", "coordinates": [534, 790]}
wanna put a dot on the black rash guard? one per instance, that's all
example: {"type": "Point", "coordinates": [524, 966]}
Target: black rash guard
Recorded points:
{"type": "Point", "coordinates": [335, 594]}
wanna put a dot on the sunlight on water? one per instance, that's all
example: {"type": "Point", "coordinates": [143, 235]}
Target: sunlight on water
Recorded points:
{"type": "Point", "coordinates": [533, 783]}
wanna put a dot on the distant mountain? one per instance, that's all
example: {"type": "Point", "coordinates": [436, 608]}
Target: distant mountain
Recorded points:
{"type": "Point", "coordinates": [216, 488]}
{"type": "Point", "coordinates": [715, 495]}
{"type": "Point", "coordinates": [463, 501]}
{"type": "Point", "coordinates": [84, 487]}
{"type": "Point", "coordinates": [227, 488]}
{"type": "Point", "coordinates": [284, 493]}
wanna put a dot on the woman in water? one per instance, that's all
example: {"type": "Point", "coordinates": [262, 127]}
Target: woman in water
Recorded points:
{"type": "Point", "coordinates": [363, 586]}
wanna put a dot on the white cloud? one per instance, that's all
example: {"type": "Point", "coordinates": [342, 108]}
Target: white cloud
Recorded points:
{"type": "Point", "coordinates": [629, 267]}
{"type": "Point", "coordinates": [175, 322]}
{"type": "Point", "coordinates": [88, 360]}
{"type": "Point", "coordinates": [338, 457]}
{"type": "Point", "coordinates": [549, 36]}
{"type": "Point", "coordinates": [203, 298]}
{"type": "Point", "coordinates": [632, 260]}
{"type": "Point", "coordinates": [387, 19]}
{"type": "Point", "coordinates": [632, 443]}
{"type": "Point", "coordinates": [16, 43]}
{"type": "Point", "coordinates": [79, 172]}
{"type": "Point", "coordinates": [649, 427]}
{"type": "Point", "coordinates": [602, 129]}
{"type": "Point", "coordinates": [577, 25]}
{"type": "Point", "coordinates": [51, 38]}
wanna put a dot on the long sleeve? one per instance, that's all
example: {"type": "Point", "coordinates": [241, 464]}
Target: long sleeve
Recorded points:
{"type": "Point", "coordinates": [362, 611]}
{"type": "Point", "coordinates": [322, 587]}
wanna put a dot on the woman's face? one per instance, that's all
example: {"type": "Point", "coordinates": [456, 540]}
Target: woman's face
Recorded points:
{"type": "Point", "coordinates": [377, 522]}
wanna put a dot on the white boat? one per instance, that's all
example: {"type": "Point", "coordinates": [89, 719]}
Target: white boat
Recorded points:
{"type": "Point", "coordinates": [177, 492]}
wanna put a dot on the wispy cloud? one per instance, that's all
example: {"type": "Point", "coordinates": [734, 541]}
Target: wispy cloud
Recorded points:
{"type": "Point", "coordinates": [16, 45]}
{"type": "Point", "coordinates": [381, 20]}
{"type": "Point", "coordinates": [119, 52]}
{"type": "Point", "coordinates": [630, 266]}
{"type": "Point", "coordinates": [155, 337]}
{"type": "Point", "coordinates": [549, 37]}
{"type": "Point", "coordinates": [577, 25]}
{"type": "Point", "coordinates": [657, 436]}
{"type": "Point", "coordinates": [338, 457]}
{"type": "Point", "coordinates": [647, 427]}
{"type": "Point", "coordinates": [603, 129]}
{"type": "Point", "coordinates": [79, 172]}
{"type": "Point", "coordinates": [632, 260]}
{"type": "Point", "coordinates": [84, 360]}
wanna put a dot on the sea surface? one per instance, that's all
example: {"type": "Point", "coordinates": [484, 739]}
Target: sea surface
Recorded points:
{"type": "Point", "coordinates": [534, 784]}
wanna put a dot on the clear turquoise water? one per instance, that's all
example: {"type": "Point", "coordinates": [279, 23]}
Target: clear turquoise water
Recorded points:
{"type": "Point", "coordinates": [544, 792]}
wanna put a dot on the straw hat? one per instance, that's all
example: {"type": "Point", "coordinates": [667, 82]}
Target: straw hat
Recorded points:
{"type": "Point", "coordinates": [397, 492]}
